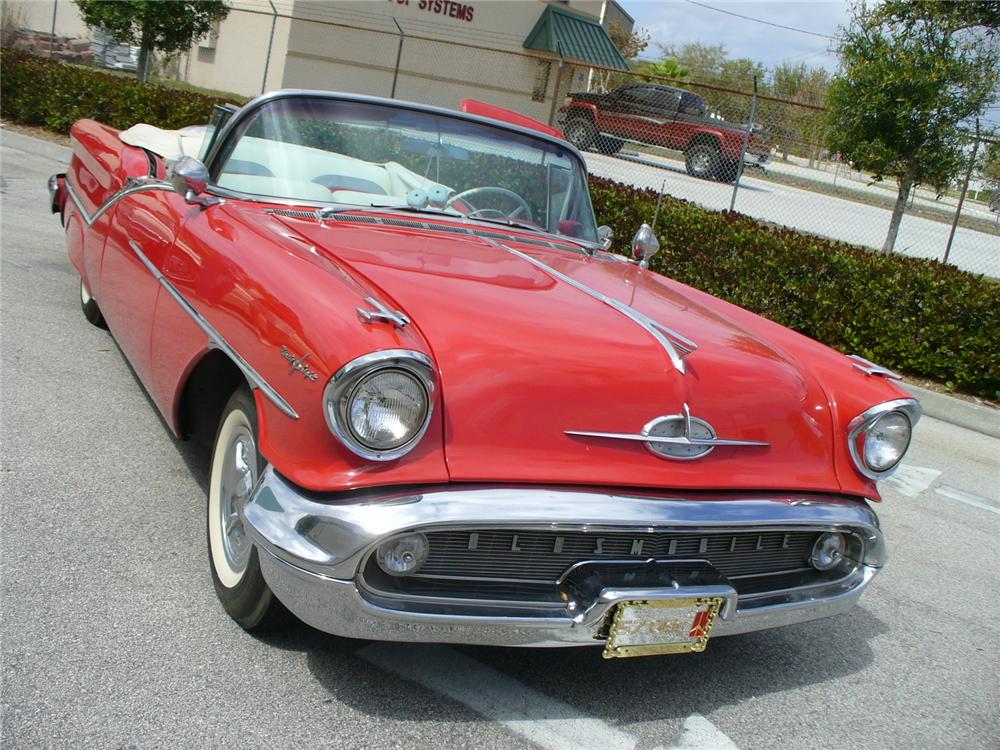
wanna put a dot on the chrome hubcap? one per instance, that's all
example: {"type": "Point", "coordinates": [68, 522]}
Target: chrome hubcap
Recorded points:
{"type": "Point", "coordinates": [239, 474]}
{"type": "Point", "coordinates": [700, 162]}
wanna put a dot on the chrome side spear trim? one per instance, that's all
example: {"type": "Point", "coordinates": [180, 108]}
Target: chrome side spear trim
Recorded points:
{"type": "Point", "coordinates": [675, 345]}
{"type": "Point", "coordinates": [215, 338]}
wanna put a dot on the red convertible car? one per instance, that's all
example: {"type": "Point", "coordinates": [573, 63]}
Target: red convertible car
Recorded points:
{"type": "Point", "coordinates": [441, 409]}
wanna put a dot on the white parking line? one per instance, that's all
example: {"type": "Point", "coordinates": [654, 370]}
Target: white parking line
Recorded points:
{"type": "Point", "coordinates": [976, 501]}
{"type": "Point", "coordinates": [912, 480]}
{"type": "Point", "coordinates": [544, 721]}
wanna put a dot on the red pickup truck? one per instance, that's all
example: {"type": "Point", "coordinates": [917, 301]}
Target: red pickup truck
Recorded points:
{"type": "Point", "coordinates": [662, 116]}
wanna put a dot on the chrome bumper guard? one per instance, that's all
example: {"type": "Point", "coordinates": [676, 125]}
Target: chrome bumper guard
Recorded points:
{"type": "Point", "coordinates": [312, 548]}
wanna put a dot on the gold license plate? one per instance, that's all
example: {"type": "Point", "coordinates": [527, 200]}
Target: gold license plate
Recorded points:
{"type": "Point", "coordinates": [645, 627]}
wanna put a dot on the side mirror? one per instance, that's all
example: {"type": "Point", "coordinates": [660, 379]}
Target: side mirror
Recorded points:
{"type": "Point", "coordinates": [644, 245]}
{"type": "Point", "coordinates": [189, 178]}
{"type": "Point", "coordinates": [605, 235]}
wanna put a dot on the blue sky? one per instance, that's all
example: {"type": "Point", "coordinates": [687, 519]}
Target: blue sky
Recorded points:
{"type": "Point", "coordinates": [676, 22]}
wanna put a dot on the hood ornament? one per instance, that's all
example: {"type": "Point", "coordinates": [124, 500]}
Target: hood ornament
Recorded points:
{"type": "Point", "coordinates": [680, 437]}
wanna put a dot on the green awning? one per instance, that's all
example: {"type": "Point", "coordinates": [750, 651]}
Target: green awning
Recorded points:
{"type": "Point", "coordinates": [574, 37]}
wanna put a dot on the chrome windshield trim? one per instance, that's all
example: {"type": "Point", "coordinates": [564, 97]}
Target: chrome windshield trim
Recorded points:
{"type": "Point", "coordinates": [675, 345]}
{"type": "Point", "coordinates": [132, 185]}
{"type": "Point", "coordinates": [215, 338]}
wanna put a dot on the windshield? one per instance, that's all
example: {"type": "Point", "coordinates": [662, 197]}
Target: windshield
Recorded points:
{"type": "Point", "coordinates": [362, 154]}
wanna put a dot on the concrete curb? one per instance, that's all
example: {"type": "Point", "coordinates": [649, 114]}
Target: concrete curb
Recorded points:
{"type": "Point", "coordinates": [984, 419]}
{"type": "Point", "coordinates": [978, 417]}
{"type": "Point", "coordinates": [37, 146]}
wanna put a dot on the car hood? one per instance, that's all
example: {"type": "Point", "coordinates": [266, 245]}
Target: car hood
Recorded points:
{"type": "Point", "coordinates": [524, 357]}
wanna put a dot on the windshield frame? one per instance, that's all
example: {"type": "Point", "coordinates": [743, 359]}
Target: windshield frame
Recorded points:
{"type": "Point", "coordinates": [232, 128]}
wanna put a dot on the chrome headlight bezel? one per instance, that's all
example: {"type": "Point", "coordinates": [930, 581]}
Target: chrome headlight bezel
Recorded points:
{"type": "Point", "coordinates": [858, 428]}
{"type": "Point", "coordinates": [339, 391]}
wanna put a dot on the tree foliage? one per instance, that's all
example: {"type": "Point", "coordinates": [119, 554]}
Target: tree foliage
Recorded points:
{"type": "Point", "coordinates": [153, 24]}
{"type": "Point", "coordinates": [631, 43]}
{"type": "Point", "coordinates": [907, 84]}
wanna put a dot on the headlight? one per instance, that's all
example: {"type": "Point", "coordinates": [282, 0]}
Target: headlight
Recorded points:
{"type": "Point", "coordinates": [878, 439]}
{"type": "Point", "coordinates": [380, 404]}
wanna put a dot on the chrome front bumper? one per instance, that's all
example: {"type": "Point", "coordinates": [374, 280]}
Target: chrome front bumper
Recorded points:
{"type": "Point", "coordinates": [312, 548]}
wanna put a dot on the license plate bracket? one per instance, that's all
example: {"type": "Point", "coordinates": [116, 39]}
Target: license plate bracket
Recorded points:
{"type": "Point", "coordinates": [644, 627]}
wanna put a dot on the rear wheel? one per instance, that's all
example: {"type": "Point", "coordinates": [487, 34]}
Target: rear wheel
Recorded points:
{"type": "Point", "coordinates": [702, 160]}
{"type": "Point", "coordinates": [727, 170]}
{"type": "Point", "coordinates": [89, 306]}
{"type": "Point", "coordinates": [236, 465]}
{"type": "Point", "coordinates": [608, 145]}
{"type": "Point", "coordinates": [581, 132]}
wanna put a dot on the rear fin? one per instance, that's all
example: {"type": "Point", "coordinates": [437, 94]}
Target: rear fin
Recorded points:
{"type": "Point", "coordinates": [492, 111]}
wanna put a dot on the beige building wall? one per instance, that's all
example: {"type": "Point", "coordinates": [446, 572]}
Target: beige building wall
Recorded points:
{"type": "Point", "coordinates": [482, 59]}
{"type": "Point", "coordinates": [37, 15]}
{"type": "Point", "coordinates": [235, 59]}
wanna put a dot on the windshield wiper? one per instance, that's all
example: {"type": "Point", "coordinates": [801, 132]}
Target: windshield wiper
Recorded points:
{"type": "Point", "coordinates": [331, 210]}
{"type": "Point", "coordinates": [512, 223]}
{"type": "Point", "coordinates": [415, 209]}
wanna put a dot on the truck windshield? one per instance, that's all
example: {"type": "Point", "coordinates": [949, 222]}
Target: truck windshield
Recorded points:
{"type": "Point", "coordinates": [365, 154]}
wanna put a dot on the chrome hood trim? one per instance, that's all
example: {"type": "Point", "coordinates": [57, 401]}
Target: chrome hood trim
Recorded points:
{"type": "Point", "coordinates": [675, 345]}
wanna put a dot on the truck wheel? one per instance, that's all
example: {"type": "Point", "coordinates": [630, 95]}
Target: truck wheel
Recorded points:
{"type": "Point", "coordinates": [727, 171]}
{"type": "Point", "coordinates": [608, 145]}
{"type": "Point", "coordinates": [90, 309]}
{"type": "Point", "coordinates": [581, 133]}
{"type": "Point", "coordinates": [702, 160]}
{"type": "Point", "coordinates": [236, 464]}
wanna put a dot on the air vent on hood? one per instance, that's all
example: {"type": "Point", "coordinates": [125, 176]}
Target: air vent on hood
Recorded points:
{"type": "Point", "coordinates": [293, 214]}
{"type": "Point", "coordinates": [410, 224]}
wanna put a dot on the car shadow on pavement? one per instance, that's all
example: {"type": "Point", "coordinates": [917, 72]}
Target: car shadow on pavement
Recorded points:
{"type": "Point", "coordinates": [732, 670]}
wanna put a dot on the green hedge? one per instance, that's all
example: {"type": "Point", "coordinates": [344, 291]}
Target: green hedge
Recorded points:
{"type": "Point", "coordinates": [917, 316]}
{"type": "Point", "coordinates": [53, 95]}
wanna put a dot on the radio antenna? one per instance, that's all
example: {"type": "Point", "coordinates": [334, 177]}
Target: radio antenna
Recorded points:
{"type": "Point", "coordinates": [659, 198]}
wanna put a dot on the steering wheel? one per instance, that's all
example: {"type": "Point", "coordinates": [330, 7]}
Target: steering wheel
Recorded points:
{"type": "Point", "coordinates": [522, 208]}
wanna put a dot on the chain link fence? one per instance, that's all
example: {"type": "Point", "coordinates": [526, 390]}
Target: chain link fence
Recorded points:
{"type": "Point", "coordinates": [721, 148]}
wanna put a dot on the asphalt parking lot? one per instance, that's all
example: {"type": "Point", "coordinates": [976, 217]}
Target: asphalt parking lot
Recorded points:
{"type": "Point", "coordinates": [112, 636]}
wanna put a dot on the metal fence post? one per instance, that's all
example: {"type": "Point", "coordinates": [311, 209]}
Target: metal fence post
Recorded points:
{"type": "Point", "coordinates": [961, 198]}
{"type": "Point", "coordinates": [555, 87]}
{"type": "Point", "coordinates": [399, 56]}
{"type": "Point", "coordinates": [52, 37]}
{"type": "Point", "coordinates": [743, 151]}
{"type": "Point", "coordinates": [270, 41]}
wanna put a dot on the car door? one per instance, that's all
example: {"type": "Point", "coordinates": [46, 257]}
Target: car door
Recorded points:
{"type": "Point", "coordinates": [655, 113]}
{"type": "Point", "coordinates": [618, 112]}
{"type": "Point", "coordinates": [143, 228]}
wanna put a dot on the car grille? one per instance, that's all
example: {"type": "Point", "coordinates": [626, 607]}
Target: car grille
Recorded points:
{"type": "Point", "coordinates": [545, 556]}
{"type": "Point", "coordinates": [518, 565]}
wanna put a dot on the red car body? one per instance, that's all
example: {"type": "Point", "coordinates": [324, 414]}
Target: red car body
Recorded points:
{"type": "Point", "coordinates": [521, 358]}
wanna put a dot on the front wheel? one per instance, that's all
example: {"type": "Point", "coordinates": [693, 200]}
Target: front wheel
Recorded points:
{"type": "Point", "coordinates": [702, 160]}
{"type": "Point", "coordinates": [236, 464]}
{"type": "Point", "coordinates": [580, 131]}
{"type": "Point", "coordinates": [89, 306]}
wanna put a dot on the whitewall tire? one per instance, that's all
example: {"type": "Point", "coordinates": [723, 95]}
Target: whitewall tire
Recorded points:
{"type": "Point", "coordinates": [236, 465]}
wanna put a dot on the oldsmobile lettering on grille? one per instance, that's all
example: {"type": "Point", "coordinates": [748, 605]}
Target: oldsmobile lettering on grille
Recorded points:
{"type": "Point", "coordinates": [636, 547]}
